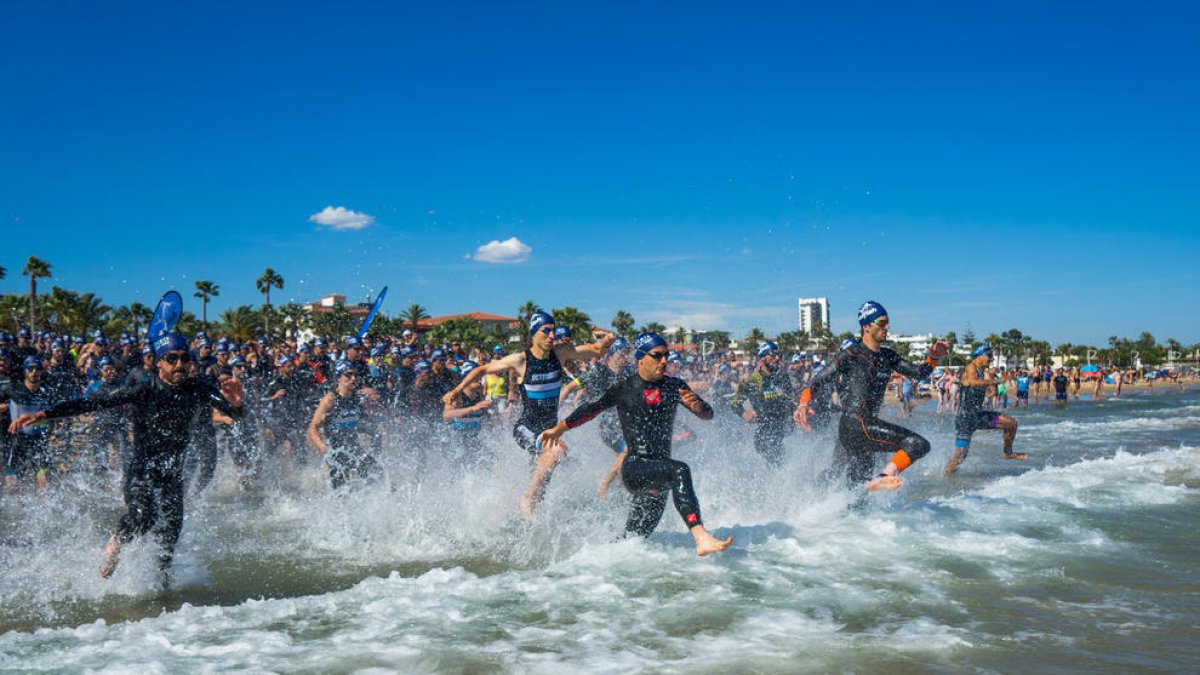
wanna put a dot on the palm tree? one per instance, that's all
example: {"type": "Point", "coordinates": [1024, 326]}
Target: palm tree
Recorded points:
{"type": "Point", "coordinates": [204, 291]}
{"type": "Point", "coordinates": [268, 280]}
{"type": "Point", "coordinates": [414, 315]}
{"type": "Point", "coordinates": [35, 268]}
{"type": "Point", "coordinates": [753, 339]}
{"type": "Point", "coordinates": [296, 317]}
{"type": "Point", "coordinates": [654, 327]}
{"type": "Point", "coordinates": [90, 311]}
{"type": "Point", "coordinates": [3, 272]}
{"type": "Point", "coordinates": [622, 321]}
{"type": "Point", "coordinates": [239, 322]}
{"type": "Point", "coordinates": [141, 317]}
{"type": "Point", "coordinates": [577, 322]}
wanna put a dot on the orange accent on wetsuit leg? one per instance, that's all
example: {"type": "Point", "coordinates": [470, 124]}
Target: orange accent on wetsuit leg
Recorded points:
{"type": "Point", "coordinates": [901, 460]}
{"type": "Point", "coordinates": [806, 396]}
{"type": "Point", "coordinates": [929, 360]}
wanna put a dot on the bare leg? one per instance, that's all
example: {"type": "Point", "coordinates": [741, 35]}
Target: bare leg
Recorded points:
{"type": "Point", "coordinates": [956, 460]}
{"type": "Point", "coordinates": [613, 472]}
{"type": "Point", "coordinates": [110, 557]}
{"type": "Point", "coordinates": [546, 462]}
{"type": "Point", "coordinates": [706, 543]}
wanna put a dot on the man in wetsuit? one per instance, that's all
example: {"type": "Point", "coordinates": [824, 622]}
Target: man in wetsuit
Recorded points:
{"type": "Point", "coordinates": [162, 410]}
{"type": "Point", "coordinates": [540, 375]}
{"type": "Point", "coordinates": [645, 403]}
{"type": "Point", "coordinates": [769, 392]}
{"type": "Point", "coordinates": [971, 416]}
{"type": "Point", "coordinates": [865, 369]}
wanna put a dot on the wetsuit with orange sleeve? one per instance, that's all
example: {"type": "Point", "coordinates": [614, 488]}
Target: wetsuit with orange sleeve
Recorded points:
{"type": "Point", "coordinates": [860, 377]}
{"type": "Point", "coordinates": [646, 411]}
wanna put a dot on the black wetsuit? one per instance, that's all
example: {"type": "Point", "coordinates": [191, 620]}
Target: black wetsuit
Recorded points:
{"type": "Point", "coordinates": [770, 395]}
{"type": "Point", "coordinates": [162, 422]}
{"type": "Point", "coordinates": [647, 414]}
{"type": "Point", "coordinates": [346, 455]}
{"type": "Point", "coordinates": [539, 398]}
{"type": "Point", "coordinates": [28, 451]}
{"type": "Point", "coordinates": [864, 377]}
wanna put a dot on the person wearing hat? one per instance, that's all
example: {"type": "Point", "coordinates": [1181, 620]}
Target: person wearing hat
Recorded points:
{"type": "Point", "coordinates": [144, 371]}
{"type": "Point", "coordinates": [467, 412]}
{"type": "Point", "coordinates": [860, 375]}
{"type": "Point", "coordinates": [161, 410]}
{"type": "Point", "coordinates": [109, 437]}
{"type": "Point", "coordinates": [646, 402]}
{"type": "Point", "coordinates": [29, 453]}
{"type": "Point", "coordinates": [287, 413]}
{"type": "Point", "coordinates": [972, 416]}
{"type": "Point", "coordinates": [539, 374]}
{"type": "Point", "coordinates": [334, 429]}
{"type": "Point", "coordinates": [496, 385]}
{"type": "Point", "coordinates": [769, 392]}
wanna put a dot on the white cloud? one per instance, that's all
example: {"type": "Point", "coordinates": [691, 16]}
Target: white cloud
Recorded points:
{"type": "Point", "coordinates": [511, 250]}
{"type": "Point", "coordinates": [342, 218]}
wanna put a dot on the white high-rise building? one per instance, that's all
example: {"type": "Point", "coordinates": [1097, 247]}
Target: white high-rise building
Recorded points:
{"type": "Point", "coordinates": [814, 313]}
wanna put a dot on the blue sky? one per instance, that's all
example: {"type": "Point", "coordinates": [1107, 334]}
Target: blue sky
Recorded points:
{"type": "Point", "coordinates": [1029, 165]}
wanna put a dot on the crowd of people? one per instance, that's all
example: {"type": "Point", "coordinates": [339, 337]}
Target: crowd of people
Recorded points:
{"type": "Point", "coordinates": [163, 413]}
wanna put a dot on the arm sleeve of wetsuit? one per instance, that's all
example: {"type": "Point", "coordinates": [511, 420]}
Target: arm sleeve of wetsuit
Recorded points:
{"type": "Point", "coordinates": [589, 411]}
{"type": "Point", "coordinates": [911, 370]}
{"type": "Point", "coordinates": [101, 400]}
{"type": "Point", "coordinates": [218, 401]}
{"type": "Point", "coordinates": [704, 406]}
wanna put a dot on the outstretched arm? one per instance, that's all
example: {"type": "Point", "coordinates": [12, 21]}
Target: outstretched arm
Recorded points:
{"type": "Point", "coordinates": [510, 363]}
{"type": "Point", "coordinates": [593, 350]}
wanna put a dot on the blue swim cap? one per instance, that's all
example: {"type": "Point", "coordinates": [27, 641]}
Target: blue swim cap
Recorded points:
{"type": "Point", "coordinates": [537, 320]}
{"type": "Point", "coordinates": [341, 367]}
{"type": "Point", "coordinates": [870, 311]}
{"type": "Point", "coordinates": [797, 358]}
{"type": "Point", "coordinates": [619, 345]}
{"type": "Point", "coordinates": [647, 341]}
{"type": "Point", "coordinates": [238, 360]}
{"type": "Point", "coordinates": [437, 355]}
{"type": "Point", "coordinates": [377, 351]}
{"type": "Point", "coordinates": [421, 366]}
{"type": "Point", "coordinates": [284, 360]}
{"type": "Point", "coordinates": [562, 333]}
{"type": "Point", "coordinates": [303, 349]}
{"type": "Point", "coordinates": [171, 342]}
{"type": "Point", "coordinates": [58, 344]}
{"type": "Point", "coordinates": [982, 349]}
{"type": "Point", "coordinates": [497, 349]}
{"type": "Point", "coordinates": [205, 342]}
{"type": "Point", "coordinates": [407, 351]}
{"type": "Point", "coordinates": [722, 369]}
{"type": "Point", "coordinates": [674, 357]}
{"type": "Point", "coordinates": [353, 341]}
{"type": "Point", "coordinates": [847, 344]}
{"type": "Point", "coordinates": [32, 361]}
{"type": "Point", "coordinates": [766, 347]}
{"type": "Point", "coordinates": [147, 350]}
{"type": "Point", "coordinates": [222, 348]}
{"type": "Point", "coordinates": [466, 367]}
{"type": "Point", "coordinates": [105, 361]}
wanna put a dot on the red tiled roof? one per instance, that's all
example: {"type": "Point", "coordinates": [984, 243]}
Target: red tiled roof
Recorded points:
{"type": "Point", "coordinates": [478, 316]}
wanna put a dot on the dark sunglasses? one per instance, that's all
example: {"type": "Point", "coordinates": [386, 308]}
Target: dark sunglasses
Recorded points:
{"type": "Point", "coordinates": [173, 358]}
{"type": "Point", "coordinates": [547, 330]}
{"type": "Point", "coordinates": [657, 356]}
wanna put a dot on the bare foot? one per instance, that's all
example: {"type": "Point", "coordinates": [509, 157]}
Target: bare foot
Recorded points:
{"type": "Point", "coordinates": [885, 483]}
{"type": "Point", "coordinates": [706, 543]}
{"type": "Point", "coordinates": [110, 558]}
{"type": "Point", "coordinates": [602, 489]}
{"type": "Point", "coordinates": [1016, 455]}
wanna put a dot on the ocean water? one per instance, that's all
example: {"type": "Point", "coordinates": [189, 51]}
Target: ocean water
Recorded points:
{"type": "Point", "coordinates": [1081, 559]}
